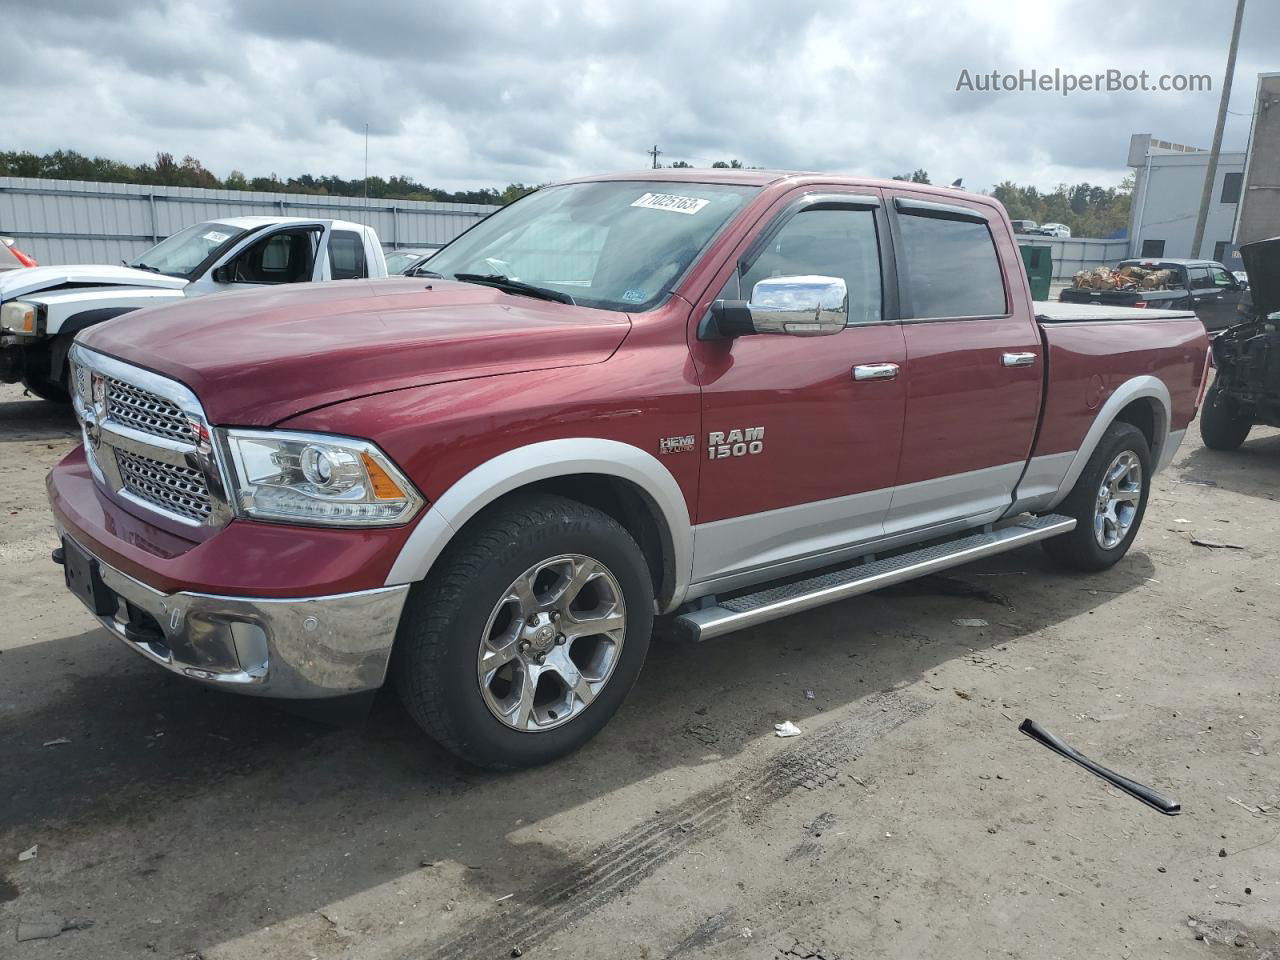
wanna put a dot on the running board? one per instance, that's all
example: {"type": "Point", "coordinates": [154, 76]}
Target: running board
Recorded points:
{"type": "Point", "coordinates": [776, 602]}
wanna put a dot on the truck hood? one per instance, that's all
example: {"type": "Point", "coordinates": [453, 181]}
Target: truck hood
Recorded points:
{"type": "Point", "coordinates": [258, 357]}
{"type": "Point", "coordinates": [1262, 264]}
{"type": "Point", "coordinates": [20, 283]}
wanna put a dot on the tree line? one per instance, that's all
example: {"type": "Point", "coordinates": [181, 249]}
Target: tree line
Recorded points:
{"type": "Point", "coordinates": [189, 172]}
{"type": "Point", "coordinates": [1089, 210]}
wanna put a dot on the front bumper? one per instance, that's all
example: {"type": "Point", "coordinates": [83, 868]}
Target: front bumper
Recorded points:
{"type": "Point", "coordinates": [304, 648]}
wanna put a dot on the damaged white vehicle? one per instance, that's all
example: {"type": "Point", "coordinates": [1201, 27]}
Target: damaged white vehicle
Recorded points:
{"type": "Point", "coordinates": [43, 308]}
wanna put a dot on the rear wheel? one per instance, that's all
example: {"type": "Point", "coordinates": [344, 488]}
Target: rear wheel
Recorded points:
{"type": "Point", "coordinates": [526, 641]}
{"type": "Point", "coordinates": [1223, 426]}
{"type": "Point", "coordinates": [1108, 502]}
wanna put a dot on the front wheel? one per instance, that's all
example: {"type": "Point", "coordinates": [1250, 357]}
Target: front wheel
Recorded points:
{"type": "Point", "coordinates": [46, 388]}
{"type": "Point", "coordinates": [1222, 424]}
{"type": "Point", "coordinates": [525, 642]}
{"type": "Point", "coordinates": [1108, 502]}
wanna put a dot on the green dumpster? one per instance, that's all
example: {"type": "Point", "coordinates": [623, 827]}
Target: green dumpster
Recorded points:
{"type": "Point", "coordinates": [1038, 259]}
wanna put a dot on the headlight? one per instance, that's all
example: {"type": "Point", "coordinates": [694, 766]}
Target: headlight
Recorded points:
{"type": "Point", "coordinates": [317, 478]}
{"type": "Point", "coordinates": [18, 317]}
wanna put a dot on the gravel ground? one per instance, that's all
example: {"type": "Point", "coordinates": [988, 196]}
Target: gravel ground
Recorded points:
{"type": "Point", "coordinates": [910, 819]}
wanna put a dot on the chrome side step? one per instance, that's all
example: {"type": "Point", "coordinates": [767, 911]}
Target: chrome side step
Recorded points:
{"type": "Point", "coordinates": [775, 602]}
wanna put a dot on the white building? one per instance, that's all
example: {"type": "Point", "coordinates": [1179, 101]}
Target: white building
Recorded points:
{"type": "Point", "coordinates": [1168, 182]}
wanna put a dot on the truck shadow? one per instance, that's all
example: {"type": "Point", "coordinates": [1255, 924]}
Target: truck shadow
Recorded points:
{"type": "Point", "coordinates": [240, 815]}
{"type": "Point", "coordinates": [30, 418]}
{"type": "Point", "coordinates": [1253, 470]}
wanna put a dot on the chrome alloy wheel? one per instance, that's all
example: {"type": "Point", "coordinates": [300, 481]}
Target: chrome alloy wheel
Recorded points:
{"type": "Point", "coordinates": [1117, 502]}
{"type": "Point", "coordinates": [551, 643]}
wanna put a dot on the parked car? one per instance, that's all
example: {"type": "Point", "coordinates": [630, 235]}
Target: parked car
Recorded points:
{"type": "Point", "coordinates": [1052, 230]}
{"type": "Point", "coordinates": [1246, 388]}
{"type": "Point", "coordinates": [1024, 226]}
{"type": "Point", "coordinates": [1205, 286]}
{"type": "Point", "coordinates": [725, 396]}
{"type": "Point", "coordinates": [398, 261]}
{"type": "Point", "coordinates": [9, 251]}
{"type": "Point", "coordinates": [42, 309]}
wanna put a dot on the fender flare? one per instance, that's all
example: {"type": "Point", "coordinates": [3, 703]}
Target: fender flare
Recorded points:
{"type": "Point", "coordinates": [545, 461]}
{"type": "Point", "coordinates": [66, 334]}
{"type": "Point", "coordinates": [1137, 388]}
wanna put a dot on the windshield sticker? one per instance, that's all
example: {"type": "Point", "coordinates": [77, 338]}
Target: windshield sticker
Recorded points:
{"type": "Point", "coordinates": [634, 296]}
{"type": "Point", "coordinates": [667, 201]}
{"type": "Point", "coordinates": [213, 236]}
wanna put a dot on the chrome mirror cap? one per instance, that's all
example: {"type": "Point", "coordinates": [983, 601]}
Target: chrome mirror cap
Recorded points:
{"type": "Point", "coordinates": [810, 306]}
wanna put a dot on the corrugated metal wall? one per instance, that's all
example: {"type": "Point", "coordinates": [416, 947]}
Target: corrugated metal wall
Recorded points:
{"type": "Point", "coordinates": [1073, 254]}
{"type": "Point", "coordinates": [76, 221]}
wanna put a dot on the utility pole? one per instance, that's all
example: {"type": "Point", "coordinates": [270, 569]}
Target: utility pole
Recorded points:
{"type": "Point", "coordinates": [1206, 197]}
{"type": "Point", "coordinates": [655, 152]}
{"type": "Point", "coordinates": [366, 157]}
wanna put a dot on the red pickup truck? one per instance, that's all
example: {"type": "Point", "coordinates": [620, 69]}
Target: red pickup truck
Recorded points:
{"type": "Point", "coordinates": [722, 396]}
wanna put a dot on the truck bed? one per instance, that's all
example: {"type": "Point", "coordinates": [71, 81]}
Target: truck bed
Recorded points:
{"type": "Point", "coordinates": [1051, 311]}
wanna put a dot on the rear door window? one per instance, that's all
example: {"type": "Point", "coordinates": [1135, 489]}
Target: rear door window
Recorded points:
{"type": "Point", "coordinates": [949, 268]}
{"type": "Point", "coordinates": [346, 256]}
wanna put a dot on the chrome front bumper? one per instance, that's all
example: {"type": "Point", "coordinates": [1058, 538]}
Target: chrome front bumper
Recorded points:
{"type": "Point", "coordinates": [305, 648]}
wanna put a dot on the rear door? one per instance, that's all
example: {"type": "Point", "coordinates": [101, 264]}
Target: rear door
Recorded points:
{"type": "Point", "coordinates": [974, 367]}
{"type": "Point", "coordinates": [800, 434]}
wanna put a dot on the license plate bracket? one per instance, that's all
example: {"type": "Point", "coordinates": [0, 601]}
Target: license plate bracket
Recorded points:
{"type": "Point", "coordinates": [84, 579]}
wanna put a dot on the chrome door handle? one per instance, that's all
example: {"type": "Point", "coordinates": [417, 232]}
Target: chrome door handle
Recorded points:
{"type": "Point", "coordinates": [875, 371]}
{"type": "Point", "coordinates": [1017, 359]}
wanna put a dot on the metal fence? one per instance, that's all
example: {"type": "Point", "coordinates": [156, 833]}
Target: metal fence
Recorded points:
{"type": "Point", "coordinates": [77, 221]}
{"type": "Point", "coordinates": [1073, 254]}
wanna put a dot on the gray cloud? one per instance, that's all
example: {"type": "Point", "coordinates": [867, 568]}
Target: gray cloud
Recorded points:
{"type": "Point", "coordinates": [481, 93]}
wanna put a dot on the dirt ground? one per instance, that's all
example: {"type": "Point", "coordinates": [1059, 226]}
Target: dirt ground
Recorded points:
{"type": "Point", "coordinates": [910, 819]}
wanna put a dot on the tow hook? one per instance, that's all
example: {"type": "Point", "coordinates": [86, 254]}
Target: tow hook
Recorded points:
{"type": "Point", "coordinates": [59, 556]}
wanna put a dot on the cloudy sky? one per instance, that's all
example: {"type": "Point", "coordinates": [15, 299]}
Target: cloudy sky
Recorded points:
{"type": "Point", "coordinates": [476, 92]}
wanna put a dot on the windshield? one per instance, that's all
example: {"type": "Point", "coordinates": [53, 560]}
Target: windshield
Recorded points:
{"type": "Point", "coordinates": [401, 260]}
{"type": "Point", "coordinates": [182, 253]}
{"type": "Point", "coordinates": [618, 245]}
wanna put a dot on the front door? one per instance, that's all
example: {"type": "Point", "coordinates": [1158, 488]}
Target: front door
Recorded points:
{"type": "Point", "coordinates": [800, 435]}
{"type": "Point", "coordinates": [974, 366]}
{"type": "Point", "coordinates": [1217, 297]}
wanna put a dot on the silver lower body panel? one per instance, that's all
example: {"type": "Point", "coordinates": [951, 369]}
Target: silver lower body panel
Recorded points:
{"type": "Point", "coordinates": [776, 602]}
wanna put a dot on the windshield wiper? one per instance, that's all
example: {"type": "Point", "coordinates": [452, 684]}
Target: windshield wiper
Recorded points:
{"type": "Point", "coordinates": [145, 266]}
{"type": "Point", "coordinates": [507, 285]}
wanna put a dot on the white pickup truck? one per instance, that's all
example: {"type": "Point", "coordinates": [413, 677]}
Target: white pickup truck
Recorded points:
{"type": "Point", "coordinates": [43, 308]}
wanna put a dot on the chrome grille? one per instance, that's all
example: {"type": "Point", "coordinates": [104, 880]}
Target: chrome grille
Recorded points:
{"type": "Point", "coordinates": [142, 410]}
{"type": "Point", "coordinates": [83, 382]}
{"type": "Point", "coordinates": [179, 490]}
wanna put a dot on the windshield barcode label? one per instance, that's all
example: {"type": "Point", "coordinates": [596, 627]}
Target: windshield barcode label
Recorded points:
{"type": "Point", "coordinates": [667, 201]}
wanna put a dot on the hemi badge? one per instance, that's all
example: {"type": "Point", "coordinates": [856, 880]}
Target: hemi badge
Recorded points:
{"type": "Point", "coordinates": [676, 444]}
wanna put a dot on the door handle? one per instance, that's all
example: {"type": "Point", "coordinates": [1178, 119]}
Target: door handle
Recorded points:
{"type": "Point", "coordinates": [875, 371]}
{"type": "Point", "coordinates": [1017, 359]}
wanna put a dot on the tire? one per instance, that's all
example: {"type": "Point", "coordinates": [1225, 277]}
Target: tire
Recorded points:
{"type": "Point", "coordinates": [1222, 425]}
{"type": "Point", "coordinates": [470, 607]}
{"type": "Point", "coordinates": [46, 389]}
{"type": "Point", "coordinates": [1096, 544]}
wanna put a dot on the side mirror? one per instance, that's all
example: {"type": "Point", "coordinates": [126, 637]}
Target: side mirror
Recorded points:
{"type": "Point", "coordinates": [798, 306]}
{"type": "Point", "coordinates": [222, 274]}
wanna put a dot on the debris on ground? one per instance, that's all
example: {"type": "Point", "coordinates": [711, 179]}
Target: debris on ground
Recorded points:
{"type": "Point", "coordinates": [970, 622]}
{"type": "Point", "coordinates": [29, 853]}
{"type": "Point", "coordinates": [809, 695]}
{"type": "Point", "coordinates": [786, 729]}
{"type": "Point", "coordinates": [48, 927]}
{"type": "Point", "coordinates": [1136, 790]}
{"type": "Point", "coordinates": [60, 741]}
{"type": "Point", "coordinates": [1215, 545]}
{"type": "Point", "coordinates": [1256, 811]}
{"type": "Point", "coordinates": [1198, 483]}
{"type": "Point", "coordinates": [963, 694]}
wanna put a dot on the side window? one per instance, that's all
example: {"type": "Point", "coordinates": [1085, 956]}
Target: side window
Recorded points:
{"type": "Point", "coordinates": [950, 268]}
{"type": "Point", "coordinates": [828, 243]}
{"type": "Point", "coordinates": [285, 257]}
{"type": "Point", "coordinates": [1199, 277]}
{"type": "Point", "coordinates": [1219, 277]}
{"type": "Point", "coordinates": [346, 256]}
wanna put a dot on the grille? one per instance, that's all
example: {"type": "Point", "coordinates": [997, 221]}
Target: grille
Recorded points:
{"type": "Point", "coordinates": [83, 384]}
{"type": "Point", "coordinates": [179, 490]}
{"type": "Point", "coordinates": [142, 410]}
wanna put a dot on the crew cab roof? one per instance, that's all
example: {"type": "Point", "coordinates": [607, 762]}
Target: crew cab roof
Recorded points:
{"type": "Point", "coordinates": [764, 178]}
{"type": "Point", "coordinates": [252, 223]}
